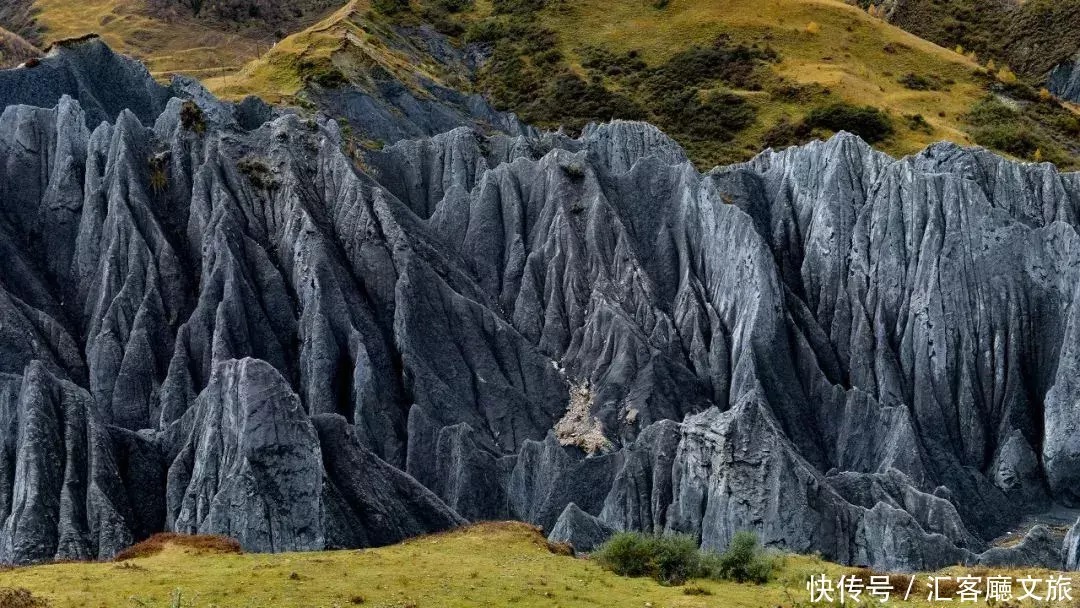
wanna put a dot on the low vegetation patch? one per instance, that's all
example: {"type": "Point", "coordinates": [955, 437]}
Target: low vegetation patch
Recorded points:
{"type": "Point", "coordinates": [867, 122]}
{"type": "Point", "coordinates": [675, 559]}
{"type": "Point", "coordinates": [323, 73]}
{"type": "Point", "coordinates": [200, 543]}
{"type": "Point", "coordinates": [1029, 129]}
{"type": "Point", "coordinates": [258, 173]}
{"type": "Point", "coordinates": [192, 117]}
{"type": "Point", "coordinates": [18, 597]}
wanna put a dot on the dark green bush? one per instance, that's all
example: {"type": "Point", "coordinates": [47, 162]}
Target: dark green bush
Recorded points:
{"type": "Point", "coordinates": [627, 554]}
{"type": "Point", "coordinates": [390, 7]}
{"type": "Point", "coordinates": [1024, 128]}
{"type": "Point", "coordinates": [786, 133]}
{"type": "Point", "coordinates": [454, 6]}
{"type": "Point", "coordinates": [867, 122]}
{"type": "Point", "coordinates": [675, 559]}
{"type": "Point", "coordinates": [743, 561]}
{"type": "Point", "coordinates": [600, 60]}
{"type": "Point", "coordinates": [734, 64]}
{"type": "Point", "coordinates": [918, 82]}
{"type": "Point", "coordinates": [323, 73]}
{"type": "Point", "coordinates": [485, 32]}
{"type": "Point", "coordinates": [917, 122]}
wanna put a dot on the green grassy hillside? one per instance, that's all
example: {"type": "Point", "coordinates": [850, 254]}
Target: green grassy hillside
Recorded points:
{"type": "Point", "coordinates": [726, 78]}
{"type": "Point", "coordinates": [498, 564]}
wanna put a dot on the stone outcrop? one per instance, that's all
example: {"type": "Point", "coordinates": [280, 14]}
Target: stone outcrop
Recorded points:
{"type": "Point", "coordinates": [239, 326]}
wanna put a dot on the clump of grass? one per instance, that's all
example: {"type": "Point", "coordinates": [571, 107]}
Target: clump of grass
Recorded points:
{"type": "Point", "coordinates": [390, 7]}
{"type": "Point", "coordinates": [200, 542]}
{"type": "Point", "coordinates": [192, 117]}
{"type": "Point", "coordinates": [574, 170]}
{"type": "Point", "coordinates": [916, 122]}
{"type": "Point", "coordinates": [920, 82]}
{"type": "Point", "coordinates": [159, 177]}
{"type": "Point", "coordinates": [696, 590]}
{"type": "Point", "coordinates": [257, 173]}
{"type": "Point", "coordinates": [674, 559]}
{"type": "Point", "coordinates": [18, 597]}
{"type": "Point", "coordinates": [559, 548]}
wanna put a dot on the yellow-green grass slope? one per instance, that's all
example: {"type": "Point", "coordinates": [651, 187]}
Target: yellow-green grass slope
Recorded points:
{"type": "Point", "coordinates": [498, 564]}
{"type": "Point", "coordinates": [859, 58]}
{"type": "Point", "coordinates": [168, 41]}
{"type": "Point", "coordinates": [352, 42]}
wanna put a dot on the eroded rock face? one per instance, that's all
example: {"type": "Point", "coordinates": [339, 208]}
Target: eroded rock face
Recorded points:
{"type": "Point", "coordinates": [1064, 80]}
{"type": "Point", "coordinates": [253, 334]}
{"type": "Point", "coordinates": [250, 464]}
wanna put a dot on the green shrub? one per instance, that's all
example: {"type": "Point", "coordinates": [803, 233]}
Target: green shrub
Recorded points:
{"type": "Point", "coordinates": [867, 122]}
{"type": "Point", "coordinates": [1036, 131]}
{"type": "Point", "coordinates": [916, 122]}
{"type": "Point", "coordinates": [675, 559]}
{"type": "Point", "coordinates": [735, 65]}
{"type": "Point", "coordinates": [744, 561]}
{"type": "Point", "coordinates": [786, 133]}
{"type": "Point", "coordinates": [627, 554]}
{"type": "Point", "coordinates": [918, 82]}
{"type": "Point", "coordinates": [486, 31]}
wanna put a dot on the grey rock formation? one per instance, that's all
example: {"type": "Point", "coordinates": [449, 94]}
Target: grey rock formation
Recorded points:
{"type": "Point", "coordinates": [1039, 547]}
{"type": "Point", "coordinates": [249, 465]}
{"type": "Point", "coordinates": [1064, 80]}
{"type": "Point", "coordinates": [241, 329]}
{"type": "Point", "coordinates": [1070, 550]}
{"type": "Point", "coordinates": [582, 531]}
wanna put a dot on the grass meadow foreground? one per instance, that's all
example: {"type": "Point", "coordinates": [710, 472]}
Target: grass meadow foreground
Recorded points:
{"type": "Point", "coordinates": [495, 564]}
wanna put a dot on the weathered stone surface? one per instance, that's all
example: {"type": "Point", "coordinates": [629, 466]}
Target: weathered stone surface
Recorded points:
{"type": "Point", "coordinates": [583, 531]}
{"type": "Point", "coordinates": [1064, 80]}
{"type": "Point", "coordinates": [61, 495]}
{"type": "Point", "coordinates": [1070, 549]}
{"type": "Point", "coordinates": [376, 504]}
{"type": "Point", "coordinates": [249, 465]}
{"type": "Point", "coordinates": [1040, 547]}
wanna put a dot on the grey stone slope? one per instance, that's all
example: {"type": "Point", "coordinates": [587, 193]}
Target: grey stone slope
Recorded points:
{"type": "Point", "coordinates": [257, 335]}
{"type": "Point", "coordinates": [1064, 80]}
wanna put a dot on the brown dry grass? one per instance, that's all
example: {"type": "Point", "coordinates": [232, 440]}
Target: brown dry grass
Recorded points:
{"type": "Point", "coordinates": [18, 597]}
{"type": "Point", "coordinates": [158, 542]}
